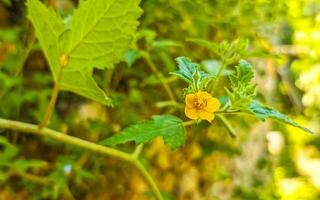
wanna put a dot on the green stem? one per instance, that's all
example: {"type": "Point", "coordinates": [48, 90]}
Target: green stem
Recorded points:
{"type": "Point", "coordinates": [23, 57]}
{"type": "Point", "coordinates": [148, 178]}
{"type": "Point", "coordinates": [67, 139]}
{"type": "Point", "coordinates": [30, 38]}
{"type": "Point", "coordinates": [50, 107]}
{"type": "Point", "coordinates": [164, 83]}
{"type": "Point", "coordinates": [217, 77]}
{"type": "Point", "coordinates": [189, 123]}
{"type": "Point", "coordinates": [228, 112]}
{"type": "Point", "coordinates": [137, 151]}
{"type": "Point", "coordinates": [53, 100]}
{"type": "Point", "coordinates": [227, 125]}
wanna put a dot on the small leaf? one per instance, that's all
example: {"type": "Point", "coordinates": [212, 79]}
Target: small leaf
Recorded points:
{"type": "Point", "coordinates": [228, 52]}
{"type": "Point", "coordinates": [263, 113]}
{"type": "Point", "coordinates": [8, 151]}
{"type": "Point", "coordinates": [131, 56]}
{"type": "Point", "coordinates": [187, 69]}
{"type": "Point", "coordinates": [191, 73]}
{"type": "Point", "coordinates": [22, 165]}
{"type": "Point", "coordinates": [167, 126]}
{"type": "Point", "coordinates": [244, 72]}
{"type": "Point", "coordinates": [242, 89]}
{"type": "Point", "coordinates": [213, 66]}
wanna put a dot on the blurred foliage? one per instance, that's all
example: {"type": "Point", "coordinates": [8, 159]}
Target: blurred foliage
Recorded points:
{"type": "Point", "coordinates": [266, 161]}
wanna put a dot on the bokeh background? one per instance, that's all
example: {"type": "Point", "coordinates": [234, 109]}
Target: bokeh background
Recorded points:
{"type": "Point", "coordinates": [266, 161]}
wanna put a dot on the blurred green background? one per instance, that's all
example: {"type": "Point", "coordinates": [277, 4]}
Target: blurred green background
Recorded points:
{"type": "Point", "coordinates": [266, 161]}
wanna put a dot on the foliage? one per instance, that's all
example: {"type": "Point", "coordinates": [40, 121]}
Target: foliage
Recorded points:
{"type": "Point", "coordinates": [263, 113]}
{"type": "Point", "coordinates": [242, 90]}
{"type": "Point", "coordinates": [191, 73]}
{"type": "Point", "coordinates": [74, 49]}
{"type": "Point", "coordinates": [250, 56]}
{"type": "Point", "coordinates": [167, 126]}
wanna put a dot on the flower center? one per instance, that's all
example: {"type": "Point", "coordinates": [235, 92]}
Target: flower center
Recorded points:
{"type": "Point", "coordinates": [200, 104]}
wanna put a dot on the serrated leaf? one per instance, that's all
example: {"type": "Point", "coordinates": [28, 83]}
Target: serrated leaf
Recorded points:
{"type": "Point", "coordinates": [100, 33]}
{"type": "Point", "coordinates": [169, 127]}
{"type": "Point", "coordinates": [187, 69]}
{"type": "Point", "coordinates": [244, 72]}
{"type": "Point", "coordinates": [263, 113]}
{"type": "Point", "coordinates": [48, 27]}
{"type": "Point", "coordinates": [242, 89]}
{"type": "Point", "coordinates": [191, 73]}
{"type": "Point", "coordinates": [228, 52]}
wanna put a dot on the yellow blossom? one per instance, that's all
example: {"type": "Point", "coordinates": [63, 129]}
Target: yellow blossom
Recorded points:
{"type": "Point", "coordinates": [201, 105]}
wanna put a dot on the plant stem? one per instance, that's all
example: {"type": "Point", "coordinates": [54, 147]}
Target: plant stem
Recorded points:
{"type": "Point", "coordinates": [164, 83]}
{"type": "Point", "coordinates": [229, 112]}
{"type": "Point", "coordinates": [188, 123]}
{"type": "Point", "coordinates": [217, 77]}
{"type": "Point", "coordinates": [227, 125]}
{"type": "Point", "coordinates": [50, 107]}
{"type": "Point", "coordinates": [53, 100]}
{"type": "Point", "coordinates": [23, 56]}
{"type": "Point", "coordinates": [67, 139]}
{"type": "Point", "coordinates": [137, 151]}
{"type": "Point", "coordinates": [149, 179]}
{"type": "Point", "coordinates": [30, 39]}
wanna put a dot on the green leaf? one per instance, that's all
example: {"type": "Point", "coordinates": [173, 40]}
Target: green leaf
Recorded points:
{"type": "Point", "coordinates": [8, 151]}
{"type": "Point", "coordinates": [263, 113]}
{"type": "Point", "coordinates": [167, 126]}
{"type": "Point", "coordinates": [244, 72]}
{"type": "Point", "coordinates": [191, 73]}
{"type": "Point", "coordinates": [187, 69]}
{"type": "Point", "coordinates": [97, 36]}
{"type": "Point", "coordinates": [228, 52]}
{"type": "Point", "coordinates": [242, 89]}
{"type": "Point", "coordinates": [131, 56]}
{"type": "Point", "coordinates": [48, 27]}
{"type": "Point", "coordinates": [22, 165]}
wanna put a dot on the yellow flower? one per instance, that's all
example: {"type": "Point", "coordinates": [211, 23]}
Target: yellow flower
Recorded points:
{"type": "Point", "coordinates": [201, 105]}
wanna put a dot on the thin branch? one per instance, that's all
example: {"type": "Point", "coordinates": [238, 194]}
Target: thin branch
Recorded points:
{"type": "Point", "coordinates": [227, 125]}
{"type": "Point", "coordinates": [137, 151]}
{"type": "Point", "coordinates": [189, 123]}
{"type": "Point", "coordinates": [50, 107]}
{"type": "Point", "coordinates": [164, 83]}
{"type": "Point", "coordinates": [55, 92]}
{"type": "Point", "coordinates": [213, 86]}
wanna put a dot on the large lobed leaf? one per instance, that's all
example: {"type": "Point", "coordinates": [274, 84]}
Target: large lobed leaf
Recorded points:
{"type": "Point", "coordinates": [48, 27]}
{"type": "Point", "coordinates": [99, 33]}
{"type": "Point", "coordinates": [263, 113]}
{"type": "Point", "coordinates": [167, 126]}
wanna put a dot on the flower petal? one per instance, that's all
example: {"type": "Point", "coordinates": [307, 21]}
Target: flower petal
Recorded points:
{"type": "Point", "coordinates": [190, 98]}
{"type": "Point", "coordinates": [213, 105]}
{"type": "Point", "coordinates": [209, 116]}
{"type": "Point", "coordinates": [203, 95]}
{"type": "Point", "coordinates": [191, 113]}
